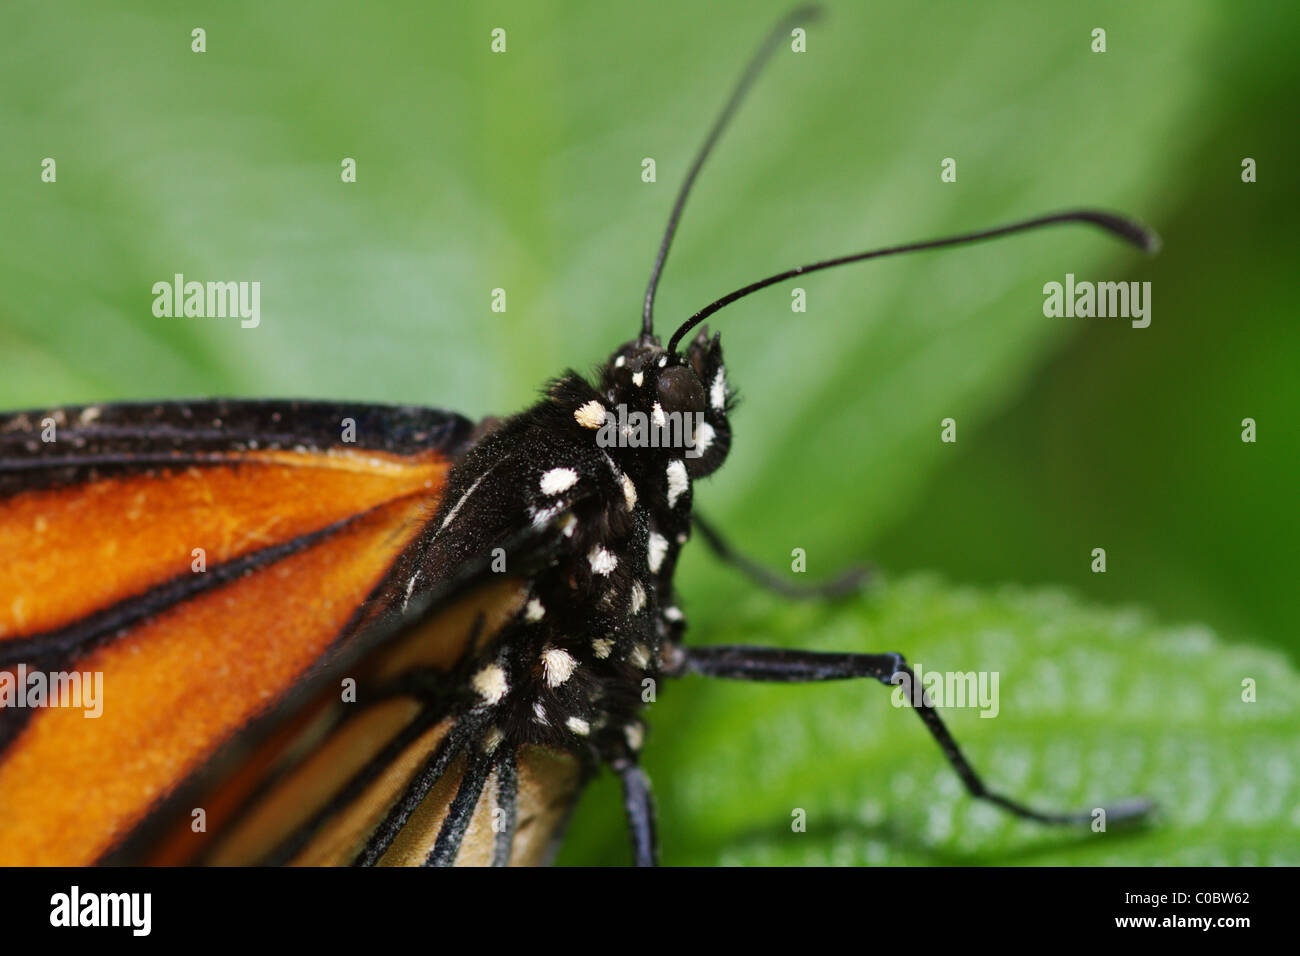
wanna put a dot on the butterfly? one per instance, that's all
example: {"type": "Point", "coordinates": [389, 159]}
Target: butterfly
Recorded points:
{"type": "Point", "coordinates": [328, 633]}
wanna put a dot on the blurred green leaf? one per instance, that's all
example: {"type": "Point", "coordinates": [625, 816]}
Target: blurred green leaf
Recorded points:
{"type": "Point", "coordinates": [521, 171]}
{"type": "Point", "coordinates": [1094, 706]}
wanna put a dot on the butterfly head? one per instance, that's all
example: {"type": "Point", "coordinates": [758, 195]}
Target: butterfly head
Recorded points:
{"type": "Point", "coordinates": [674, 404]}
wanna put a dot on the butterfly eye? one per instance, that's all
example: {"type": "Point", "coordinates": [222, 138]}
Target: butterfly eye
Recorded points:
{"type": "Point", "coordinates": [680, 390]}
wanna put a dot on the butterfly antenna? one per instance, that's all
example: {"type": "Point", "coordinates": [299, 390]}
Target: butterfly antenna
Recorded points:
{"type": "Point", "coordinates": [756, 64]}
{"type": "Point", "coordinates": [1126, 229]}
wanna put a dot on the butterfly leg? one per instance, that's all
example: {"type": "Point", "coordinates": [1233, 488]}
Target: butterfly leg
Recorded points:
{"type": "Point", "coordinates": [793, 666]}
{"type": "Point", "coordinates": [459, 813]}
{"type": "Point", "coordinates": [640, 808]}
{"type": "Point", "coordinates": [845, 583]}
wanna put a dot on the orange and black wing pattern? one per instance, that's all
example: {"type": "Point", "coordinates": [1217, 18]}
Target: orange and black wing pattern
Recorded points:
{"type": "Point", "coordinates": [377, 759]}
{"type": "Point", "coordinates": [169, 573]}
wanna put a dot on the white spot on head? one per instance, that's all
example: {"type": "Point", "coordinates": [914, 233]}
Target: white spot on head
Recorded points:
{"type": "Point", "coordinates": [718, 390]}
{"type": "Point", "coordinates": [619, 362]}
{"type": "Point", "coordinates": [638, 597]}
{"type": "Point", "coordinates": [657, 550]}
{"type": "Point", "coordinates": [490, 683]}
{"type": "Point", "coordinates": [578, 726]}
{"type": "Point", "coordinates": [602, 646]}
{"type": "Point", "coordinates": [602, 561]}
{"type": "Point", "coordinates": [590, 415]}
{"type": "Point", "coordinates": [672, 614]}
{"type": "Point", "coordinates": [629, 493]}
{"type": "Point", "coordinates": [557, 480]}
{"type": "Point", "coordinates": [558, 665]}
{"type": "Point", "coordinates": [663, 361]}
{"type": "Point", "coordinates": [534, 611]}
{"type": "Point", "coordinates": [677, 482]}
{"type": "Point", "coordinates": [638, 379]}
{"type": "Point", "coordinates": [640, 656]}
{"type": "Point", "coordinates": [635, 735]}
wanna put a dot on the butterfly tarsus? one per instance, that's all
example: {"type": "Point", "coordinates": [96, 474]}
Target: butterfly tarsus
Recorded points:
{"type": "Point", "coordinates": [783, 665]}
{"type": "Point", "coordinates": [847, 582]}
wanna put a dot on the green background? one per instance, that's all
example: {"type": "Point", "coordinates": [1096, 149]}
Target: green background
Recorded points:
{"type": "Point", "coordinates": [522, 171]}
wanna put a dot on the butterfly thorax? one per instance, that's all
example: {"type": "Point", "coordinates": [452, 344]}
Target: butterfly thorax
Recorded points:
{"type": "Point", "coordinates": [607, 468]}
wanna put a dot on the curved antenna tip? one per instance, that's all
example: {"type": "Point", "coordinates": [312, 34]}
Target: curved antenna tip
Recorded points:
{"type": "Point", "coordinates": [1152, 243]}
{"type": "Point", "coordinates": [1122, 227]}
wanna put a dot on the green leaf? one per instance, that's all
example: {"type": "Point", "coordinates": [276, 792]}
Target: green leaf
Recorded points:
{"type": "Point", "coordinates": [522, 171]}
{"type": "Point", "coordinates": [1093, 706]}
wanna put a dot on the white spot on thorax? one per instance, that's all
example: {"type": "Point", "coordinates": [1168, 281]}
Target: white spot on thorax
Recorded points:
{"type": "Point", "coordinates": [638, 379]}
{"type": "Point", "coordinates": [629, 493]}
{"type": "Point", "coordinates": [490, 683]}
{"type": "Point", "coordinates": [657, 414]}
{"type": "Point", "coordinates": [557, 480]}
{"type": "Point", "coordinates": [638, 597]}
{"type": "Point", "coordinates": [590, 415]}
{"type": "Point", "coordinates": [602, 646]}
{"type": "Point", "coordinates": [578, 726]}
{"type": "Point", "coordinates": [640, 657]}
{"type": "Point", "coordinates": [704, 437]}
{"type": "Point", "coordinates": [533, 611]}
{"type": "Point", "coordinates": [602, 561]}
{"type": "Point", "coordinates": [463, 498]}
{"type": "Point", "coordinates": [718, 390]}
{"type": "Point", "coordinates": [677, 482]}
{"type": "Point", "coordinates": [543, 515]}
{"type": "Point", "coordinates": [657, 550]}
{"type": "Point", "coordinates": [410, 586]}
{"type": "Point", "coordinates": [558, 665]}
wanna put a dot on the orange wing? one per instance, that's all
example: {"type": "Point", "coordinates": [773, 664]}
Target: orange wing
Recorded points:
{"type": "Point", "coordinates": [380, 776]}
{"type": "Point", "coordinates": [189, 564]}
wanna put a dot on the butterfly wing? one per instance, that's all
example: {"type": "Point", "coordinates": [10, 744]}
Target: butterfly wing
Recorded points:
{"type": "Point", "coordinates": [189, 563]}
{"type": "Point", "coordinates": [365, 761]}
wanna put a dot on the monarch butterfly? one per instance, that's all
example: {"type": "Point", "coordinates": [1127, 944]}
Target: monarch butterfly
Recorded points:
{"type": "Point", "coordinates": [377, 634]}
